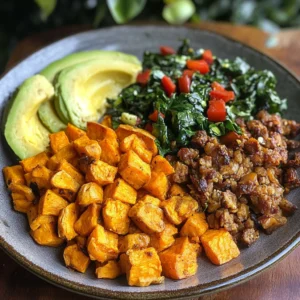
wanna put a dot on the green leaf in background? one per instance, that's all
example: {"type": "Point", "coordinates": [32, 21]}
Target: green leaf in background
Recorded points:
{"type": "Point", "coordinates": [47, 7]}
{"type": "Point", "coordinates": [100, 13]}
{"type": "Point", "coordinates": [178, 11]}
{"type": "Point", "coordinates": [125, 10]}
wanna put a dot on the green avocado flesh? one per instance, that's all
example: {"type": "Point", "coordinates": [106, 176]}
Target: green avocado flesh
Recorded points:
{"type": "Point", "coordinates": [24, 132]}
{"type": "Point", "coordinates": [54, 115]}
{"type": "Point", "coordinates": [81, 90]}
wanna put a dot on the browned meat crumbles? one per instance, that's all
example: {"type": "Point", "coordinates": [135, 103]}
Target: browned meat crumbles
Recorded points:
{"type": "Point", "coordinates": [241, 181]}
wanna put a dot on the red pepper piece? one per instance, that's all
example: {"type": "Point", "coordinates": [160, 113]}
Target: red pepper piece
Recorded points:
{"type": "Point", "coordinates": [143, 77]}
{"type": "Point", "coordinates": [168, 85]}
{"type": "Point", "coordinates": [216, 111]}
{"type": "Point", "coordinates": [217, 86]}
{"type": "Point", "coordinates": [166, 50]}
{"type": "Point", "coordinates": [208, 56]}
{"type": "Point", "coordinates": [222, 95]}
{"type": "Point", "coordinates": [198, 65]}
{"type": "Point", "coordinates": [188, 73]}
{"type": "Point", "coordinates": [154, 116]}
{"type": "Point", "coordinates": [149, 127]}
{"type": "Point", "coordinates": [184, 83]}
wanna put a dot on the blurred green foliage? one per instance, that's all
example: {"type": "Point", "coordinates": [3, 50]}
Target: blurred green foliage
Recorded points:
{"type": "Point", "coordinates": [20, 18]}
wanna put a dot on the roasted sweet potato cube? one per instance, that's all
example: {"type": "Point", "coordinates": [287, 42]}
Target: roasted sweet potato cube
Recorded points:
{"type": "Point", "coordinates": [58, 140]}
{"type": "Point", "coordinates": [125, 130]}
{"type": "Point", "coordinates": [73, 133]}
{"type": "Point", "coordinates": [158, 185]}
{"type": "Point", "coordinates": [148, 217]}
{"type": "Point", "coordinates": [86, 147]}
{"type": "Point", "coordinates": [101, 173]}
{"type": "Point", "coordinates": [41, 176]}
{"type": "Point", "coordinates": [30, 163]}
{"type": "Point", "coordinates": [133, 170]}
{"type": "Point", "coordinates": [132, 142]}
{"type": "Point", "coordinates": [133, 241]}
{"type": "Point", "coordinates": [96, 131]}
{"type": "Point", "coordinates": [51, 204]}
{"type": "Point", "coordinates": [35, 220]}
{"type": "Point", "coordinates": [120, 190]}
{"type": "Point", "coordinates": [180, 260]}
{"type": "Point", "coordinates": [74, 258]}
{"type": "Point", "coordinates": [142, 267]}
{"type": "Point", "coordinates": [46, 235]}
{"type": "Point", "coordinates": [219, 246]}
{"type": "Point", "coordinates": [102, 245]}
{"type": "Point", "coordinates": [21, 204]}
{"type": "Point", "coordinates": [66, 194]}
{"type": "Point", "coordinates": [62, 180]}
{"type": "Point", "coordinates": [151, 199]}
{"type": "Point", "coordinates": [90, 193]}
{"type": "Point", "coordinates": [160, 164]}
{"type": "Point", "coordinates": [88, 220]}
{"type": "Point", "coordinates": [179, 208]}
{"type": "Point", "coordinates": [110, 151]}
{"type": "Point", "coordinates": [68, 153]}
{"type": "Point", "coordinates": [115, 216]}
{"type": "Point", "coordinates": [66, 220]}
{"type": "Point", "coordinates": [108, 270]}
{"type": "Point", "coordinates": [23, 190]}
{"type": "Point", "coordinates": [195, 226]}
{"type": "Point", "coordinates": [176, 190]}
{"type": "Point", "coordinates": [81, 241]}
{"type": "Point", "coordinates": [107, 121]}
{"type": "Point", "coordinates": [123, 263]}
{"type": "Point", "coordinates": [14, 174]}
{"type": "Point", "coordinates": [163, 240]}
{"type": "Point", "coordinates": [72, 171]}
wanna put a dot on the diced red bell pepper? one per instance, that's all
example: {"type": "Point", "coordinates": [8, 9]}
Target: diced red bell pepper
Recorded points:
{"type": "Point", "coordinates": [166, 50]}
{"type": "Point", "coordinates": [217, 86]}
{"type": "Point", "coordinates": [230, 139]}
{"type": "Point", "coordinates": [222, 95]}
{"type": "Point", "coordinates": [168, 85]}
{"type": "Point", "coordinates": [149, 127]}
{"type": "Point", "coordinates": [184, 83]}
{"type": "Point", "coordinates": [208, 57]}
{"type": "Point", "coordinates": [198, 65]}
{"type": "Point", "coordinates": [188, 73]}
{"type": "Point", "coordinates": [143, 77]}
{"type": "Point", "coordinates": [154, 116]}
{"type": "Point", "coordinates": [216, 111]}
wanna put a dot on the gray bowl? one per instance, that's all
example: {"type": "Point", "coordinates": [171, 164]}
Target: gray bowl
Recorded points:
{"type": "Point", "coordinates": [47, 262]}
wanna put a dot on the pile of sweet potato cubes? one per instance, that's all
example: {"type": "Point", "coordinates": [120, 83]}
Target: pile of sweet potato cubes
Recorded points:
{"type": "Point", "coordinates": [109, 196]}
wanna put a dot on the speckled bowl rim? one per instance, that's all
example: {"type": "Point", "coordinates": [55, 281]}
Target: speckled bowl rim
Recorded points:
{"type": "Point", "coordinates": [184, 293]}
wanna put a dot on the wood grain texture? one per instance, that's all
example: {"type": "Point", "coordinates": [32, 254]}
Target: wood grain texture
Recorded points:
{"type": "Point", "coordinates": [280, 282]}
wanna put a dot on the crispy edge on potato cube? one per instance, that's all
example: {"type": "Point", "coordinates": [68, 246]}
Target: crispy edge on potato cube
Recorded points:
{"type": "Point", "coordinates": [73, 133]}
{"type": "Point", "coordinates": [120, 190]}
{"type": "Point", "coordinates": [74, 258]}
{"type": "Point", "coordinates": [96, 131]}
{"type": "Point", "coordinates": [133, 228]}
{"type": "Point", "coordinates": [90, 193]}
{"type": "Point", "coordinates": [160, 164]}
{"type": "Point", "coordinates": [102, 245]}
{"type": "Point", "coordinates": [86, 147]}
{"type": "Point", "coordinates": [108, 270]}
{"type": "Point", "coordinates": [30, 163]}
{"type": "Point", "coordinates": [101, 172]}
{"type": "Point", "coordinates": [81, 241]}
{"type": "Point", "coordinates": [51, 204]}
{"type": "Point", "coordinates": [110, 151]}
{"type": "Point", "coordinates": [46, 235]}
{"type": "Point", "coordinates": [35, 220]}
{"type": "Point", "coordinates": [133, 241]}
{"type": "Point", "coordinates": [23, 190]}
{"type": "Point", "coordinates": [180, 260]}
{"type": "Point", "coordinates": [176, 190]}
{"type": "Point", "coordinates": [125, 130]}
{"type": "Point", "coordinates": [163, 240]}
{"type": "Point", "coordinates": [107, 121]}
{"type": "Point", "coordinates": [143, 267]}
{"type": "Point", "coordinates": [148, 217]}
{"type": "Point", "coordinates": [195, 226]}
{"type": "Point", "coordinates": [66, 220]}
{"type": "Point", "coordinates": [88, 220]}
{"type": "Point", "coordinates": [41, 176]}
{"type": "Point", "coordinates": [115, 216]}
{"type": "Point", "coordinates": [219, 246]}
{"type": "Point", "coordinates": [132, 142]}
{"type": "Point", "coordinates": [150, 199]}
{"type": "Point", "coordinates": [179, 208]}
{"type": "Point", "coordinates": [62, 180]}
{"type": "Point", "coordinates": [71, 170]}
{"type": "Point", "coordinates": [20, 203]}
{"type": "Point", "coordinates": [133, 170]}
{"type": "Point", "coordinates": [58, 140]}
{"type": "Point", "coordinates": [13, 174]}
{"type": "Point", "coordinates": [158, 185]}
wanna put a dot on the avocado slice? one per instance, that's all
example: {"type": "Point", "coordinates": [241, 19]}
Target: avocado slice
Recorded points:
{"type": "Point", "coordinates": [83, 88]}
{"type": "Point", "coordinates": [54, 115]}
{"type": "Point", "coordinates": [23, 129]}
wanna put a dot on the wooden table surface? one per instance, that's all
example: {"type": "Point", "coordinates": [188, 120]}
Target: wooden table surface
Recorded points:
{"type": "Point", "coordinates": [280, 282]}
